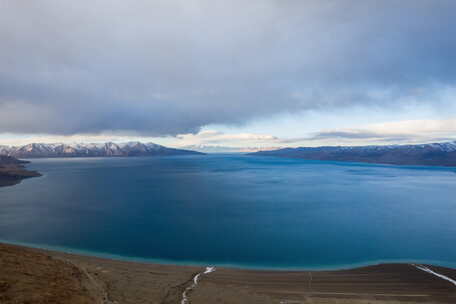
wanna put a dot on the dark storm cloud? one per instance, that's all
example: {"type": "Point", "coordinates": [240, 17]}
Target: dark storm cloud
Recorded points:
{"type": "Point", "coordinates": [168, 67]}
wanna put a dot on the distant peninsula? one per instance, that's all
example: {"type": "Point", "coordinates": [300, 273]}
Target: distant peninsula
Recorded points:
{"type": "Point", "coordinates": [12, 171]}
{"type": "Point", "coordinates": [435, 154]}
{"type": "Point", "coordinates": [109, 149]}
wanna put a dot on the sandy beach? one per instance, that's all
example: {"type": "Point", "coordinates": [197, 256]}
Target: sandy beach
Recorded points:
{"type": "Point", "coordinates": [40, 276]}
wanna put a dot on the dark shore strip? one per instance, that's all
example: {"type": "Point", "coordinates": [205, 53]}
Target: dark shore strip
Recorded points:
{"type": "Point", "coordinates": [30, 275]}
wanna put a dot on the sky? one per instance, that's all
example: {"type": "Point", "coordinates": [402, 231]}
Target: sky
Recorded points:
{"type": "Point", "coordinates": [233, 74]}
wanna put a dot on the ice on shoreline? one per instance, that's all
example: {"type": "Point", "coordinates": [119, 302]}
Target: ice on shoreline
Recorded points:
{"type": "Point", "coordinates": [428, 270]}
{"type": "Point", "coordinates": [195, 283]}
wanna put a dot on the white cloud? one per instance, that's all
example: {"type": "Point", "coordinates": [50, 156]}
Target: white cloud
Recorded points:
{"type": "Point", "coordinates": [397, 132]}
{"type": "Point", "coordinates": [212, 137]}
{"type": "Point", "coordinates": [406, 131]}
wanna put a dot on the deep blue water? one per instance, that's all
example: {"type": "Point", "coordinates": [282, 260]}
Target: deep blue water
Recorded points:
{"type": "Point", "coordinates": [236, 210]}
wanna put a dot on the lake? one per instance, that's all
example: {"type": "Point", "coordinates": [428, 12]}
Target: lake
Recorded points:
{"type": "Point", "coordinates": [236, 210]}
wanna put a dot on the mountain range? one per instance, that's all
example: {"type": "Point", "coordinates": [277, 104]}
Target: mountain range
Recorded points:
{"type": "Point", "coordinates": [435, 154]}
{"type": "Point", "coordinates": [109, 149]}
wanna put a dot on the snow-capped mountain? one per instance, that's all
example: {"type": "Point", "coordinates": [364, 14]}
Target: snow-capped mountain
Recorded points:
{"type": "Point", "coordinates": [90, 150]}
{"type": "Point", "coordinates": [437, 154]}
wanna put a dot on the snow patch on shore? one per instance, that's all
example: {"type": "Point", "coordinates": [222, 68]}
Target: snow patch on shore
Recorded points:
{"type": "Point", "coordinates": [428, 270]}
{"type": "Point", "coordinates": [194, 284]}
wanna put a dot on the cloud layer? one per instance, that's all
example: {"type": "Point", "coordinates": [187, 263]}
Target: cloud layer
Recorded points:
{"type": "Point", "coordinates": [170, 67]}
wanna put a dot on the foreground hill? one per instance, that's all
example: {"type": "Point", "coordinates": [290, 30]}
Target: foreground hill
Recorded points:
{"type": "Point", "coordinates": [109, 149]}
{"type": "Point", "coordinates": [436, 154]}
{"type": "Point", "coordinates": [12, 171]}
{"type": "Point", "coordinates": [40, 276]}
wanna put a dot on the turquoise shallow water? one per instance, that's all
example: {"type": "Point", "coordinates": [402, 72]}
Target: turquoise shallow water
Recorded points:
{"type": "Point", "coordinates": [236, 210]}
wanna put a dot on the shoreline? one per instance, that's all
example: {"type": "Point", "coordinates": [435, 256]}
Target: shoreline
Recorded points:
{"type": "Point", "coordinates": [248, 267]}
{"type": "Point", "coordinates": [47, 275]}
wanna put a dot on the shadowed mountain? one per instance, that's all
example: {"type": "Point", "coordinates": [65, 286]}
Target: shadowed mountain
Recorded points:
{"type": "Point", "coordinates": [436, 154]}
{"type": "Point", "coordinates": [109, 149]}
